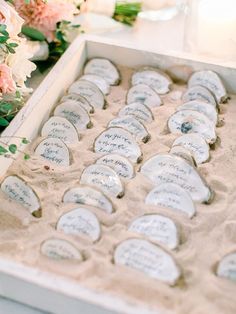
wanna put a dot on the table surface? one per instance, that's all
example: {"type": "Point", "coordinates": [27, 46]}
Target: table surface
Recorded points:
{"type": "Point", "coordinates": [169, 37]}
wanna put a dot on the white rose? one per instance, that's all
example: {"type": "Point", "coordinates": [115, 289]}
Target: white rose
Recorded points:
{"type": "Point", "coordinates": [10, 18]}
{"type": "Point", "coordinates": [19, 63]}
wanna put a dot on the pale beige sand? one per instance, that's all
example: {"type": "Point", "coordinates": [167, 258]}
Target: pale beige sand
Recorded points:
{"type": "Point", "coordinates": [204, 240]}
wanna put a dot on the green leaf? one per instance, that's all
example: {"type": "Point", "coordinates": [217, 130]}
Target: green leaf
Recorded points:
{"type": "Point", "coordinates": [25, 141]}
{"type": "Point", "coordinates": [12, 148]}
{"type": "Point", "coordinates": [3, 27]}
{"type": "Point", "coordinates": [3, 39]}
{"type": "Point", "coordinates": [6, 107]}
{"type": "Point", "coordinates": [33, 33]}
{"type": "Point", "coordinates": [26, 157]}
{"type": "Point", "coordinates": [13, 45]}
{"type": "Point", "coordinates": [3, 122]}
{"type": "Point", "coordinates": [3, 150]}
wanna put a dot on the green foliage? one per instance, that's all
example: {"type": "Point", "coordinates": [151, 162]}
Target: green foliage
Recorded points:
{"type": "Point", "coordinates": [5, 45]}
{"type": "Point", "coordinates": [9, 150]}
{"type": "Point", "coordinates": [33, 33]}
{"type": "Point", "coordinates": [127, 12]}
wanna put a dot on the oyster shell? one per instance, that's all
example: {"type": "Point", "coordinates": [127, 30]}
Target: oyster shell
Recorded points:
{"type": "Point", "coordinates": [145, 95]}
{"type": "Point", "coordinates": [103, 178]}
{"type": "Point", "coordinates": [199, 93]}
{"type": "Point", "coordinates": [104, 68]}
{"type": "Point", "coordinates": [99, 81]}
{"type": "Point", "coordinates": [227, 267]}
{"type": "Point", "coordinates": [80, 100]}
{"type": "Point", "coordinates": [139, 111]}
{"type": "Point", "coordinates": [184, 153]}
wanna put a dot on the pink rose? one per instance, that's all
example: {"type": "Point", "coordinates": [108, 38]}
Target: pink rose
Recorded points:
{"type": "Point", "coordinates": [7, 84]}
{"type": "Point", "coordinates": [45, 15]}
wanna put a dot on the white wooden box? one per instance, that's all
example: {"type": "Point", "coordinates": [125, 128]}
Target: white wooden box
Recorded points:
{"type": "Point", "coordinates": [47, 291]}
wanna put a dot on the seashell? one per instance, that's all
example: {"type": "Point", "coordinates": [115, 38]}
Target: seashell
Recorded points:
{"type": "Point", "coordinates": [19, 191]}
{"type": "Point", "coordinates": [150, 259]}
{"type": "Point", "coordinates": [121, 165]}
{"type": "Point", "coordinates": [207, 109]}
{"type": "Point", "coordinates": [184, 153]}
{"type": "Point", "coordinates": [170, 195]}
{"type": "Point", "coordinates": [180, 73]}
{"type": "Point", "coordinates": [99, 81]}
{"type": "Point", "coordinates": [227, 267]}
{"type": "Point", "coordinates": [80, 100]}
{"type": "Point", "coordinates": [58, 127]}
{"type": "Point", "coordinates": [118, 141]}
{"type": "Point", "coordinates": [80, 221]}
{"type": "Point", "coordinates": [164, 168]}
{"type": "Point", "coordinates": [134, 126]}
{"type": "Point", "coordinates": [88, 196]}
{"type": "Point", "coordinates": [192, 121]}
{"type": "Point", "coordinates": [199, 93]}
{"type": "Point", "coordinates": [145, 95]}
{"type": "Point", "coordinates": [58, 249]}
{"type": "Point", "coordinates": [74, 113]}
{"type": "Point", "coordinates": [139, 111]}
{"type": "Point", "coordinates": [196, 144]}
{"type": "Point", "coordinates": [212, 81]}
{"type": "Point", "coordinates": [90, 92]}
{"type": "Point", "coordinates": [157, 228]}
{"type": "Point", "coordinates": [104, 178]}
{"type": "Point", "coordinates": [54, 150]}
{"type": "Point", "coordinates": [104, 68]}
{"type": "Point", "coordinates": [156, 79]}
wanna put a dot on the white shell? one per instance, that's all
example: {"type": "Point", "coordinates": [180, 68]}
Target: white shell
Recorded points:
{"type": "Point", "coordinates": [19, 191]}
{"type": "Point", "coordinates": [80, 100]}
{"type": "Point", "coordinates": [145, 95]}
{"type": "Point", "coordinates": [196, 144]}
{"type": "Point", "coordinates": [103, 68]}
{"type": "Point", "coordinates": [227, 267]}
{"type": "Point", "coordinates": [138, 111]}
{"type": "Point", "coordinates": [90, 92]}
{"type": "Point", "coordinates": [104, 178]}
{"type": "Point", "coordinates": [61, 128]}
{"type": "Point", "coordinates": [88, 196]}
{"type": "Point", "coordinates": [54, 150]}
{"type": "Point", "coordinates": [74, 113]}
{"type": "Point", "coordinates": [184, 153]}
{"type": "Point", "coordinates": [99, 81]}
{"type": "Point", "coordinates": [157, 228]}
{"type": "Point", "coordinates": [148, 258]}
{"type": "Point", "coordinates": [118, 141]}
{"type": "Point", "coordinates": [192, 121]}
{"type": "Point", "coordinates": [210, 80]}
{"type": "Point", "coordinates": [134, 126]}
{"type": "Point", "coordinates": [164, 168]}
{"type": "Point", "coordinates": [200, 93]}
{"type": "Point", "coordinates": [121, 165]}
{"type": "Point", "coordinates": [80, 221]}
{"type": "Point", "coordinates": [155, 79]}
{"type": "Point", "coordinates": [171, 196]}
{"type": "Point", "coordinates": [59, 249]}
{"type": "Point", "coordinates": [207, 109]}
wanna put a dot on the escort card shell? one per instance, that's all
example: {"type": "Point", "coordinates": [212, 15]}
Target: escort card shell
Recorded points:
{"type": "Point", "coordinates": [54, 150]}
{"type": "Point", "coordinates": [80, 221]}
{"type": "Point", "coordinates": [196, 144]}
{"type": "Point", "coordinates": [104, 178]}
{"type": "Point", "coordinates": [227, 267]}
{"type": "Point", "coordinates": [184, 153]}
{"type": "Point", "coordinates": [200, 93]}
{"type": "Point", "coordinates": [104, 68]}
{"type": "Point", "coordinates": [59, 249]}
{"type": "Point", "coordinates": [191, 121]}
{"type": "Point", "coordinates": [145, 95]}
{"type": "Point", "coordinates": [156, 79]}
{"type": "Point", "coordinates": [19, 191]}
{"type": "Point", "coordinates": [134, 126]}
{"type": "Point", "coordinates": [164, 168]}
{"type": "Point", "coordinates": [210, 80]}
{"type": "Point", "coordinates": [99, 81]}
{"type": "Point", "coordinates": [80, 100]}
{"type": "Point", "coordinates": [121, 165]}
{"type": "Point", "coordinates": [61, 128]}
{"type": "Point", "coordinates": [148, 258]}
{"type": "Point", "coordinates": [90, 92]}
{"type": "Point", "coordinates": [157, 228]}
{"type": "Point", "coordinates": [139, 111]}
{"type": "Point", "coordinates": [207, 109]}
{"type": "Point", "coordinates": [88, 196]}
{"type": "Point", "coordinates": [118, 141]}
{"type": "Point", "coordinates": [171, 196]}
{"type": "Point", "coordinates": [74, 113]}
